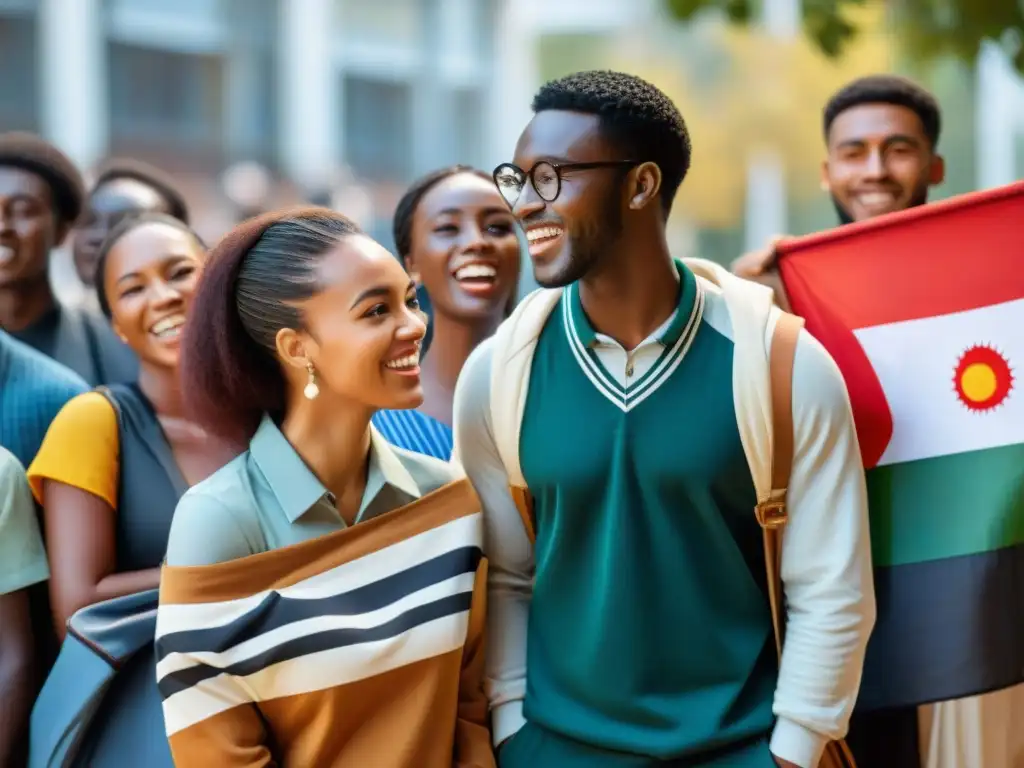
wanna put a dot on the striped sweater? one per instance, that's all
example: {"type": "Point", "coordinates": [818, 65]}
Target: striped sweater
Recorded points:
{"type": "Point", "coordinates": [363, 647]}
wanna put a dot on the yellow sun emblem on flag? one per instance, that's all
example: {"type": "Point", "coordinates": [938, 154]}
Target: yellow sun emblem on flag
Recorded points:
{"type": "Point", "coordinates": [983, 378]}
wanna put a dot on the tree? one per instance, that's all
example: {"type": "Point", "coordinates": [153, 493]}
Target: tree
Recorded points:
{"type": "Point", "coordinates": [927, 29]}
{"type": "Point", "coordinates": [742, 92]}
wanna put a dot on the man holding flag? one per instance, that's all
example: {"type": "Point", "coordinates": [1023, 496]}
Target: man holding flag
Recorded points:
{"type": "Point", "coordinates": [926, 347]}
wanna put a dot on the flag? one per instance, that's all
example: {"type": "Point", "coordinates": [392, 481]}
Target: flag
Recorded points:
{"type": "Point", "coordinates": [923, 311]}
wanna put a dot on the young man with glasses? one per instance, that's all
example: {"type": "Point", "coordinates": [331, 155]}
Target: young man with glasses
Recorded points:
{"type": "Point", "coordinates": [633, 630]}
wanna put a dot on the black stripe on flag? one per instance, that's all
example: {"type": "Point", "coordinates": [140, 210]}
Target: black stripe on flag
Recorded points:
{"type": "Point", "coordinates": [946, 629]}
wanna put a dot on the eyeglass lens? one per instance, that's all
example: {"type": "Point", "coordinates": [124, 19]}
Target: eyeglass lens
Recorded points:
{"type": "Point", "coordinates": [511, 180]}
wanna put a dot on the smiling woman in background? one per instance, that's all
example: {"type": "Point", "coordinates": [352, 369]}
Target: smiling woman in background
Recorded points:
{"type": "Point", "coordinates": [456, 236]}
{"type": "Point", "coordinates": [115, 462]}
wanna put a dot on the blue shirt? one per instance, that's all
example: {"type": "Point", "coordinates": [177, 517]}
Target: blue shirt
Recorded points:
{"type": "Point", "coordinates": [415, 431]}
{"type": "Point", "coordinates": [33, 388]}
{"type": "Point", "coordinates": [268, 498]}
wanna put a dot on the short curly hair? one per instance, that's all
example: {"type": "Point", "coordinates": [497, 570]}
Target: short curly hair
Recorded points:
{"type": "Point", "coordinates": [634, 115]}
{"type": "Point", "coordinates": [151, 176]}
{"type": "Point", "coordinates": [886, 89]}
{"type": "Point", "coordinates": [31, 153]}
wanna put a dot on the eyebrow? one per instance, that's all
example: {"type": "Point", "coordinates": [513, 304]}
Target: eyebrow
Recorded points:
{"type": "Point", "coordinates": [173, 261]}
{"type": "Point", "coordinates": [379, 290]}
{"type": "Point", "coordinates": [488, 211]}
{"type": "Point", "coordinates": [888, 140]}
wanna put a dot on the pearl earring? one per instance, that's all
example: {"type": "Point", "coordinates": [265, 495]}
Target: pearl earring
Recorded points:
{"type": "Point", "coordinates": [312, 390]}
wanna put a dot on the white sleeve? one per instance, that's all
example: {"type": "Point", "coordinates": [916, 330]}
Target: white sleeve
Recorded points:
{"type": "Point", "coordinates": [510, 554]}
{"type": "Point", "coordinates": [826, 565]}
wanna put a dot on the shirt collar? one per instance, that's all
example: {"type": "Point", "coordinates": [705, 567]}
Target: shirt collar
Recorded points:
{"type": "Point", "coordinates": [385, 469]}
{"type": "Point", "coordinates": [297, 489]}
{"type": "Point", "coordinates": [668, 334]}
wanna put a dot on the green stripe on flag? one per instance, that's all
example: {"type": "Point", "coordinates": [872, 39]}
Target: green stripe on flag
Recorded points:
{"type": "Point", "coordinates": [948, 506]}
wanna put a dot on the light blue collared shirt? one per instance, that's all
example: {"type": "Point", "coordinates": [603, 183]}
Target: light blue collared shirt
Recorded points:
{"type": "Point", "coordinates": [268, 498]}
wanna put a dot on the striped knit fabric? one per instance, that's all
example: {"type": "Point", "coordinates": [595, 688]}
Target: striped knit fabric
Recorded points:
{"type": "Point", "coordinates": [363, 647]}
{"type": "Point", "coordinates": [33, 388]}
{"type": "Point", "coordinates": [415, 431]}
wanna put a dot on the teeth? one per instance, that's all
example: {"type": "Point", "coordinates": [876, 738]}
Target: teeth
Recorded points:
{"type": "Point", "coordinates": [471, 271]}
{"type": "Point", "coordinates": [169, 326]}
{"type": "Point", "coordinates": [409, 361]}
{"type": "Point", "coordinates": [542, 233]}
{"type": "Point", "coordinates": [877, 198]}
{"type": "Point", "coordinates": [6, 253]}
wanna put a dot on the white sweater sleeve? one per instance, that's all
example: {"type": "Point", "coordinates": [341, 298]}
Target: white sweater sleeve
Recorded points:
{"type": "Point", "coordinates": [510, 554]}
{"type": "Point", "coordinates": [826, 565]}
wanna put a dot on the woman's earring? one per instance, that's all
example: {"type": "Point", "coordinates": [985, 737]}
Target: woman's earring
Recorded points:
{"type": "Point", "coordinates": [312, 390]}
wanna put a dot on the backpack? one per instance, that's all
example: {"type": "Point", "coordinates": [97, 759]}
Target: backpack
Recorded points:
{"type": "Point", "coordinates": [765, 340]}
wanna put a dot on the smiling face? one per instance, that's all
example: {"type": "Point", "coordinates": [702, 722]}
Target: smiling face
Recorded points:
{"type": "Point", "coordinates": [572, 234]}
{"type": "Point", "coordinates": [28, 227]}
{"type": "Point", "coordinates": [464, 248]}
{"type": "Point", "coordinates": [149, 277]}
{"type": "Point", "coordinates": [879, 161]}
{"type": "Point", "coordinates": [106, 206]}
{"type": "Point", "coordinates": [362, 330]}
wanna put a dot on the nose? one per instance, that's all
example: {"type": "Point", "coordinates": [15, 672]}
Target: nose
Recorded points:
{"type": "Point", "coordinates": [413, 326]}
{"type": "Point", "coordinates": [529, 202]}
{"type": "Point", "coordinates": [163, 293]}
{"type": "Point", "coordinates": [875, 167]}
{"type": "Point", "coordinates": [474, 240]}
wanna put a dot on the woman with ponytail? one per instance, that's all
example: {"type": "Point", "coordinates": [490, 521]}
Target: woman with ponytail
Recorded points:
{"type": "Point", "coordinates": [457, 237]}
{"type": "Point", "coordinates": [322, 602]}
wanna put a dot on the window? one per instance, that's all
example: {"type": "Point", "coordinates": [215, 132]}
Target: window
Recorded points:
{"type": "Point", "coordinates": [19, 107]}
{"type": "Point", "coordinates": [166, 101]}
{"type": "Point", "coordinates": [380, 22]}
{"type": "Point", "coordinates": [467, 131]}
{"type": "Point", "coordinates": [378, 128]}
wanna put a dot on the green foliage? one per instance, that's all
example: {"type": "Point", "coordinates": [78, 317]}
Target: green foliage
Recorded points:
{"type": "Point", "coordinates": [926, 29]}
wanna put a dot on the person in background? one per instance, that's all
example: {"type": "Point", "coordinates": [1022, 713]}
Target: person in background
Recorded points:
{"type": "Point", "coordinates": [457, 238]}
{"type": "Point", "coordinates": [22, 564]}
{"type": "Point", "coordinates": [881, 137]}
{"type": "Point", "coordinates": [634, 630]}
{"type": "Point", "coordinates": [123, 188]}
{"type": "Point", "coordinates": [115, 462]}
{"type": "Point", "coordinates": [881, 134]}
{"type": "Point", "coordinates": [33, 389]}
{"type": "Point", "coordinates": [41, 197]}
{"type": "Point", "coordinates": [303, 327]}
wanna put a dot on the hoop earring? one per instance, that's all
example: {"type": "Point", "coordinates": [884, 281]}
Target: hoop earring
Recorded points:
{"type": "Point", "coordinates": [312, 390]}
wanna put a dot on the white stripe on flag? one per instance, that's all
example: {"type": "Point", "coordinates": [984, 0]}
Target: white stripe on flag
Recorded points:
{"type": "Point", "coordinates": [916, 361]}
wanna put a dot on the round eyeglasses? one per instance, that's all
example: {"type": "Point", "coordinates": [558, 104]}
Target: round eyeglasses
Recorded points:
{"type": "Point", "coordinates": [546, 177]}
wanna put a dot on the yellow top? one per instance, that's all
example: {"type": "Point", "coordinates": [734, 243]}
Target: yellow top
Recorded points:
{"type": "Point", "coordinates": [81, 449]}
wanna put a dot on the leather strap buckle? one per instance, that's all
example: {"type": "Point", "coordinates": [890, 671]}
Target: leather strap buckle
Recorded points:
{"type": "Point", "coordinates": [772, 513]}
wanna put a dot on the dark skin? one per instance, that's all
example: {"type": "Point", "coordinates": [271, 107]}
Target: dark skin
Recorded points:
{"type": "Point", "coordinates": [30, 228]}
{"type": "Point", "coordinates": [462, 221]}
{"type": "Point", "coordinates": [879, 161]}
{"type": "Point", "coordinates": [150, 277]}
{"type": "Point", "coordinates": [363, 320]}
{"type": "Point", "coordinates": [628, 281]}
{"type": "Point", "coordinates": [17, 689]}
{"type": "Point", "coordinates": [107, 205]}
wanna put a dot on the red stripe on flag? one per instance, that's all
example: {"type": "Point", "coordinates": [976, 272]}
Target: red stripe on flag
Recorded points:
{"type": "Point", "coordinates": [960, 254]}
{"type": "Point", "coordinates": [871, 414]}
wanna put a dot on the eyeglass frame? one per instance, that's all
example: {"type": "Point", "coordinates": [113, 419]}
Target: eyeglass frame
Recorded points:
{"type": "Point", "coordinates": [557, 167]}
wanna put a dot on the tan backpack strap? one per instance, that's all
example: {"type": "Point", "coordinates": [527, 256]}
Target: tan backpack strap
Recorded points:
{"type": "Point", "coordinates": [771, 514]}
{"type": "Point", "coordinates": [524, 504]}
